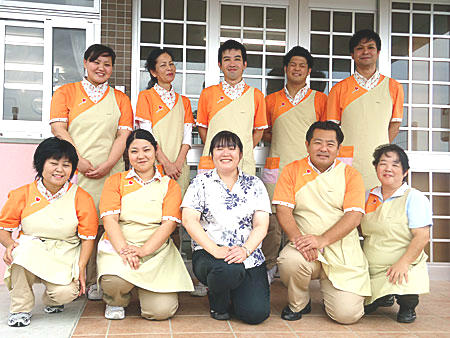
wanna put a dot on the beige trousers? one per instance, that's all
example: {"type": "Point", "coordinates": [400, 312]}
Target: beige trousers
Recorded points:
{"type": "Point", "coordinates": [154, 305]}
{"type": "Point", "coordinates": [22, 296]}
{"type": "Point", "coordinates": [272, 241]}
{"type": "Point", "coordinates": [296, 274]}
{"type": "Point", "coordinates": [91, 267]}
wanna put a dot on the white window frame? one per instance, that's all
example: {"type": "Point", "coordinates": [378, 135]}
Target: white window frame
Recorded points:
{"type": "Point", "coordinates": [22, 5]}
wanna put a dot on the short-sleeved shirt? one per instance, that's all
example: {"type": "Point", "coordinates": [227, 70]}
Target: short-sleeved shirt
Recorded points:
{"type": "Point", "coordinates": [213, 99]}
{"type": "Point", "coordinates": [418, 208]}
{"type": "Point", "coordinates": [66, 102]}
{"type": "Point", "coordinates": [227, 216]}
{"type": "Point", "coordinates": [29, 199]}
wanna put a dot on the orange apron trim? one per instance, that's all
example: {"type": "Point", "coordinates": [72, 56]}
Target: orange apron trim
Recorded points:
{"type": "Point", "coordinates": [206, 163]}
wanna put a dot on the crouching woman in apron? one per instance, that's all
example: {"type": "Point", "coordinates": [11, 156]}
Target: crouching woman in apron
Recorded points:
{"type": "Point", "coordinates": [140, 209]}
{"type": "Point", "coordinates": [58, 226]}
{"type": "Point", "coordinates": [396, 229]}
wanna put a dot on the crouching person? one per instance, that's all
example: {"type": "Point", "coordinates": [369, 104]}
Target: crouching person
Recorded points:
{"type": "Point", "coordinates": [226, 212]}
{"type": "Point", "coordinates": [58, 226]}
{"type": "Point", "coordinates": [320, 202]}
{"type": "Point", "coordinates": [140, 209]}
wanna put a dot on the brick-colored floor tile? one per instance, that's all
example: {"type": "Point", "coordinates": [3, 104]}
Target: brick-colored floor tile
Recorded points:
{"type": "Point", "coordinates": [266, 335]}
{"type": "Point", "coordinates": [89, 326]}
{"type": "Point", "coordinates": [147, 335]}
{"type": "Point", "coordinates": [326, 334]}
{"type": "Point", "coordinates": [271, 324]}
{"type": "Point", "coordinates": [94, 309]}
{"type": "Point", "coordinates": [386, 334]}
{"type": "Point", "coordinates": [378, 323]}
{"type": "Point", "coordinates": [203, 335]}
{"type": "Point", "coordinates": [316, 323]}
{"type": "Point", "coordinates": [189, 305]}
{"type": "Point", "coordinates": [138, 325]}
{"type": "Point", "coordinates": [198, 324]}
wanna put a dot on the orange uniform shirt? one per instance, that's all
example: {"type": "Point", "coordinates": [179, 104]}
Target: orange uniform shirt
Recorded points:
{"type": "Point", "coordinates": [213, 99]}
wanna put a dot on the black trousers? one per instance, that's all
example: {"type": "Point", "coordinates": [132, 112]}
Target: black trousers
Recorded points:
{"type": "Point", "coordinates": [247, 290]}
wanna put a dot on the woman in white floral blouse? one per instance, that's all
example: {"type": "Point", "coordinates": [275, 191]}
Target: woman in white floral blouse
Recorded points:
{"type": "Point", "coordinates": [226, 212]}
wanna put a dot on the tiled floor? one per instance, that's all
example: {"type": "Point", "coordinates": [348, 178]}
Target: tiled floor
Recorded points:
{"type": "Point", "coordinates": [192, 320]}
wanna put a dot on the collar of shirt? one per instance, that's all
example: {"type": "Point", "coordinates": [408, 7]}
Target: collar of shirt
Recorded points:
{"type": "Point", "coordinates": [217, 178]}
{"type": "Point", "coordinates": [298, 97]}
{"type": "Point", "coordinates": [317, 170]}
{"type": "Point", "coordinates": [133, 174]}
{"type": "Point", "coordinates": [95, 93]}
{"type": "Point", "coordinates": [367, 84]}
{"type": "Point", "coordinates": [398, 193]}
{"type": "Point", "coordinates": [48, 195]}
{"type": "Point", "coordinates": [167, 96]}
{"type": "Point", "coordinates": [233, 92]}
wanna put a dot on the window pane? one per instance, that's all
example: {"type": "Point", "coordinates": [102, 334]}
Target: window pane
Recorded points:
{"type": "Point", "coordinates": [421, 7]}
{"type": "Point", "coordinates": [441, 71]}
{"type": "Point", "coordinates": [178, 83]}
{"type": "Point", "coordinates": [22, 104]}
{"type": "Point", "coordinates": [364, 21]}
{"type": "Point", "coordinates": [276, 42]}
{"type": "Point", "coordinates": [274, 65]}
{"type": "Point", "coordinates": [195, 59]}
{"type": "Point", "coordinates": [405, 91]}
{"type": "Point", "coordinates": [253, 17]}
{"type": "Point", "coordinates": [342, 22]}
{"type": "Point", "coordinates": [321, 86]}
{"type": "Point", "coordinates": [253, 40]}
{"type": "Point", "coordinates": [442, 8]}
{"type": "Point", "coordinates": [441, 117]}
{"type": "Point", "coordinates": [230, 33]}
{"type": "Point", "coordinates": [441, 141]}
{"type": "Point", "coordinates": [420, 70]}
{"type": "Point", "coordinates": [341, 68]}
{"type": "Point", "coordinates": [400, 5]}
{"type": "Point", "coordinates": [441, 48]}
{"type": "Point", "coordinates": [196, 35]}
{"type": "Point", "coordinates": [320, 21]}
{"type": "Point", "coordinates": [441, 228]}
{"type": "Point", "coordinates": [441, 94]}
{"type": "Point", "coordinates": [402, 139]}
{"type": "Point", "coordinates": [195, 83]}
{"type": "Point", "coordinates": [254, 64]}
{"type": "Point", "coordinates": [273, 86]}
{"type": "Point", "coordinates": [419, 140]}
{"type": "Point", "coordinates": [173, 33]}
{"type": "Point", "coordinates": [276, 18]}
{"type": "Point", "coordinates": [421, 23]}
{"type": "Point", "coordinates": [420, 181]}
{"type": "Point", "coordinates": [400, 46]}
{"type": "Point", "coordinates": [320, 69]}
{"type": "Point", "coordinates": [151, 9]}
{"type": "Point", "coordinates": [144, 79]}
{"type": "Point", "coordinates": [320, 44]}
{"type": "Point", "coordinates": [173, 9]}
{"type": "Point", "coordinates": [196, 10]}
{"type": "Point", "coordinates": [145, 51]}
{"type": "Point", "coordinates": [441, 24]}
{"type": "Point", "coordinates": [68, 50]}
{"type": "Point", "coordinates": [421, 47]}
{"type": "Point", "coordinates": [253, 82]}
{"type": "Point", "coordinates": [177, 55]}
{"type": "Point", "coordinates": [441, 183]}
{"type": "Point", "coordinates": [230, 15]}
{"type": "Point", "coordinates": [419, 93]}
{"type": "Point", "coordinates": [150, 32]}
{"type": "Point", "coordinates": [400, 22]}
{"type": "Point", "coordinates": [14, 76]}
{"type": "Point", "coordinates": [419, 117]}
{"type": "Point", "coordinates": [405, 117]}
{"type": "Point", "coordinates": [399, 69]}
{"type": "Point", "coordinates": [340, 45]}
{"type": "Point", "coordinates": [83, 3]}
{"type": "Point", "coordinates": [441, 206]}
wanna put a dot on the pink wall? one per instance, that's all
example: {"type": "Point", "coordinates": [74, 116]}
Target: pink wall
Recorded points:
{"type": "Point", "coordinates": [16, 170]}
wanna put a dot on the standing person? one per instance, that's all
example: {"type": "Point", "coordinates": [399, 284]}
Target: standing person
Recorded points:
{"type": "Point", "coordinates": [368, 105]}
{"type": "Point", "coordinates": [97, 120]}
{"type": "Point", "coordinates": [232, 105]}
{"type": "Point", "coordinates": [320, 202]}
{"type": "Point", "coordinates": [226, 212]}
{"type": "Point", "coordinates": [140, 209]}
{"type": "Point", "coordinates": [168, 116]}
{"type": "Point", "coordinates": [396, 229]}
{"type": "Point", "coordinates": [56, 259]}
{"type": "Point", "coordinates": [290, 112]}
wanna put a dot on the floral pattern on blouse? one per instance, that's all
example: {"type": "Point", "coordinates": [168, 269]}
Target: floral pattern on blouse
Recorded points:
{"type": "Point", "coordinates": [367, 84]}
{"type": "Point", "coordinates": [226, 216]}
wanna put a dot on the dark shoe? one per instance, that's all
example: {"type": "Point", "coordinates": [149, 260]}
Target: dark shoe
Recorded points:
{"type": "Point", "coordinates": [288, 314]}
{"type": "Point", "coordinates": [406, 315]}
{"type": "Point", "coordinates": [219, 316]}
{"type": "Point", "coordinates": [386, 301]}
{"type": "Point", "coordinates": [370, 308]}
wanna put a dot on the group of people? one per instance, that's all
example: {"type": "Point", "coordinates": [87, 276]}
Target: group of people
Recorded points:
{"type": "Point", "coordinates": [314, 189]}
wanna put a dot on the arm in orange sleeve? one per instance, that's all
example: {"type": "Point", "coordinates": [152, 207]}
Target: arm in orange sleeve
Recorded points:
{"type": "Point", "coordinates": [188, 116]}
{"type": "Point", "coordinates": [270, 105]}
{"type": "Point", "coordinates": [333, 106]}
{"type": "Point", "coordinates": [203, 109]}
{"type": "Point", "coordinates": [397, 96]}
{"type": "Point", "coordinates": [354, 198]}
{"type": "Point", "coordinates": [87, 215]}
{"type": "Point", "coordinates": [284, 193]}
{"type": "Point", "coordinates": [11, 214]}
{"type": "Point", "coordinates": [59, 110]}
{"type": "Point", "coordinates": [111, 198]}
{"type": "Point", "coordinates": [260, 120]}
{"type": "Point", "coordinates": [126, 111]}
{"type": "Point", "coordinates": [143, 108]}
{"type": "Point", "coordinates": [171, 203]}
{"type": "Point", "coordinates": [320, 105]}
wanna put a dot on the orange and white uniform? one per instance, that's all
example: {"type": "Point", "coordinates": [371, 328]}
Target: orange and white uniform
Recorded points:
{"type": "Point", "coordinates": [171, 126]}
{"type": "Point", "coordinates": [239, 114]}
{"type": "Point", "coordinates": [364, 112]}
{"type": "Point", "coordinates": [92, 126]}
{"type": "Point", "coordinates": [51, 229]}
{"type": "Point", "coordinates": [141, 207]}
{"type": "Point", "coordinates": [319, 200]}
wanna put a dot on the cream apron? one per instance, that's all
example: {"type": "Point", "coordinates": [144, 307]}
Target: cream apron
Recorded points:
{"type": "Point", "coordinates": [288, 141]}
{"type": "Point", "coordinates": [386, 238]}
{"type": "Point", "coordinates": [365, 124]}
{"type": "Point", "coordinates": [140, 216]}
{"type": "Point", "coordinates": [49, 246]}
{"type": "Point", "coordinates": [169, 133]}
{"type": "Point", "coordinates": [318, 207]}
{"type": "Point", "coordinates": [237, 117]}
{"type": "Point", "coordinates": [93, 133]}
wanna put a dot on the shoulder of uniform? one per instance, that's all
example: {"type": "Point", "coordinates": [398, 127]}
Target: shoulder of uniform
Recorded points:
{"type": "Point", "coordinates": [120, 94]}
{"type": "Point", "coordinates": [21, 190]}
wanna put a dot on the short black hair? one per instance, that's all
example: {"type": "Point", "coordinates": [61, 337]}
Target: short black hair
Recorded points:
{"type": "Point", "coordinates": [391, 148]}
{"type": "Point", "coordinates": [150, 64]}
{"type": "Point", "coordinates": [232, 44]}
{"type": "Point", "coordinates": [298, 51]}
{"type": "Point", "coordinates": [325, 125]}
{"type": "Point", "coordinates": [225, 138]}
{"type": "Point", "coordinates": [141, 134]}
{"type": "Point", "coordinates": [94, 51]}
{"type": "Point", "coordinates": [57, 149]}
{"type": "Point", "coordinates": [364, 34]}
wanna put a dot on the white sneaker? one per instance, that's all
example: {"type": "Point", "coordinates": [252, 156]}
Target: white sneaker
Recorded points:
{"type": "Point", "coordinates": [54, 309]}
{"type": "Point", "coordinates": [94, 292]}
{"type": "Point", "coordinates": [200, 290]}
{"type": "Point", "coordinates": [114, 312]}
{"type": "Point", "coordinates": [271, 274]}
{"type": "Point", "coordinates": [19, 319]}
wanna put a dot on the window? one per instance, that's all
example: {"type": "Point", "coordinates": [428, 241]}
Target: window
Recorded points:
{"type": "Point", "coordinates": [68, 5]}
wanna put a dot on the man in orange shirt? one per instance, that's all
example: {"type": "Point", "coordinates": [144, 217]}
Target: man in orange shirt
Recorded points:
{"type": "Point", "coordinates": [368, 105]}
{"type": "Point", "coordinates": [232, 105]}
{"type": "Point", "coordinates": [320, 202]}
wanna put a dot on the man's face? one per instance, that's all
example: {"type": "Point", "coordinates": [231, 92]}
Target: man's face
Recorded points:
{"type": "Point", "coordinates": [232, 65]}
{"type": "Point", "coordinates": [323, 148]}
{"type": "Point", "coordinates": [297, 70]}
{"type": "Point", "coordinates": [365, 53]}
